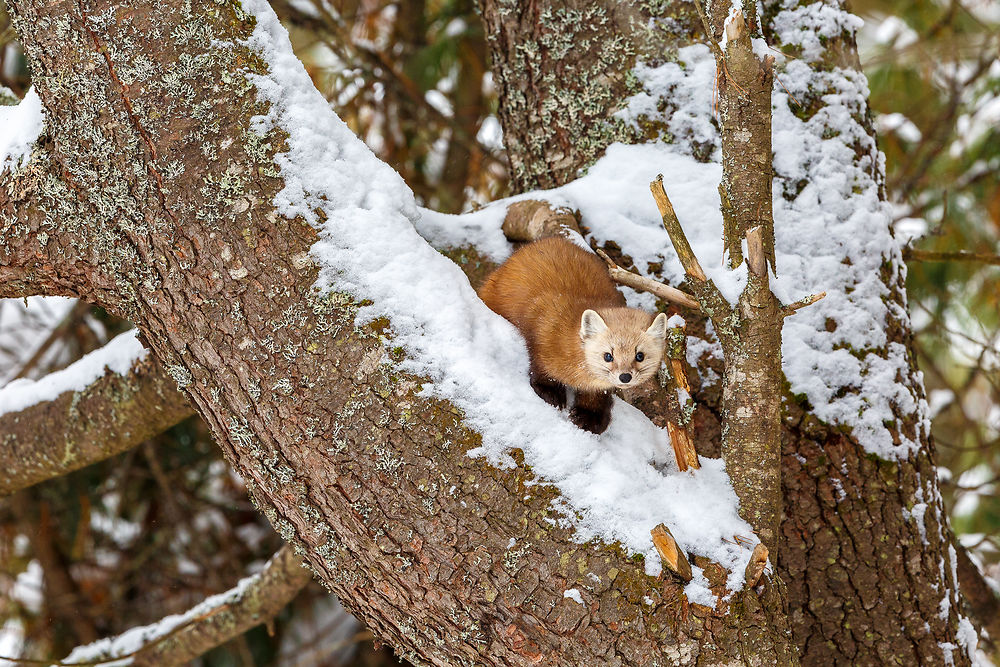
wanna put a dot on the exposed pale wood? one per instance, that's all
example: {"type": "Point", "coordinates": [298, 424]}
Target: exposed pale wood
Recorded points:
{"type": "Point", "coordinates": [756, 259]}
{"type": "Point", "coordinates": [685, 443]}
{"type": "Point", "coordinates": [670, 553]}
{"type": "Point", "coordinates": [757, 565]}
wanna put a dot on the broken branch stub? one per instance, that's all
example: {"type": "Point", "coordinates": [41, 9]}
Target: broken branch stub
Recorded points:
{"type": "Point", "coordinates": [531, 219]}
{"type": "Point", "coordinates": [757, 565]}
{"type": "Point", "coordinates": [682, 434]}
{"type": "Point", "coordinates": [670, 554]}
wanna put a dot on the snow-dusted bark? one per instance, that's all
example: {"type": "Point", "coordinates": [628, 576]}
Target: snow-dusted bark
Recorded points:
{"type": "Point", "coordinates": [865, 546]}
{"type": "Point", "coordinates": [191, 180]}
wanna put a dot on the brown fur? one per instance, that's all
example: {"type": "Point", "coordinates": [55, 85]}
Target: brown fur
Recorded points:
{"type": "Point", "coordinates": [544, 289]}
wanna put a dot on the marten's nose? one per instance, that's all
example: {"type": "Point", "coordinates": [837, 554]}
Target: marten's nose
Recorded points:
{"type": "Point", "coordinates": [625, 377]}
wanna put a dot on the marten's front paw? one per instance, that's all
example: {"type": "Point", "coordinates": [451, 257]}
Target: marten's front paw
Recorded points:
{"type": "Point", "coordinates": [590, 420]}
{"type": "Point", "coordinates": [552, 393]}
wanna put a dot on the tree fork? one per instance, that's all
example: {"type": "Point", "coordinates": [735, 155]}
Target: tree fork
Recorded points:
{"type": "Point", "coordinates": [338, 448]}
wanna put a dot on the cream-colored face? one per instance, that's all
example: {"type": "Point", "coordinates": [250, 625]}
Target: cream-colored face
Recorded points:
{"type": "Point", "coordinates": [620, 350]}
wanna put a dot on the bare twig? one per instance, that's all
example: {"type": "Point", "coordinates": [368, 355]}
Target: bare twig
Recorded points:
{"type": "Point", "coordinates": [791, 308]}
{"type": "Point", "coordinates": [75, 313]}
{"type": "Point", "coordinates": [645, 284]}
{"type": "Point", "coordinates": [673, 226]}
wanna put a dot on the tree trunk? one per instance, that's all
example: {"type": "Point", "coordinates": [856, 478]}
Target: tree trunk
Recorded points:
{"type": "Point", "coordinates": [865, 549]}
{"type": "Point", "coordinates": [152, 195]}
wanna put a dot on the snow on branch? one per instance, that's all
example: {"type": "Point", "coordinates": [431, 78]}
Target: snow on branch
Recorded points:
{"type": "Point", "coordinates": [369, 247]}
{"type": "Point", "coordinates": [178, 639]}
{"type": "Point", "coordinates": [105, 403]}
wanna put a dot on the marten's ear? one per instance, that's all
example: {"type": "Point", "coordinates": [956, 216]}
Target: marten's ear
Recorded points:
{"type": "Point", "coordinates": [658, 329]}
{"type": "Point", "coordinates": [591, 324]}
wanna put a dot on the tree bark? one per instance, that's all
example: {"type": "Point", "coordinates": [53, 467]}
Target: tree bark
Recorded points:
{"type": "Point", "coordinates": [155, 198]}
{"type": "Point", "coordinates": [867, 578]}
{"type": "Point", "coordinates": [113, 414]}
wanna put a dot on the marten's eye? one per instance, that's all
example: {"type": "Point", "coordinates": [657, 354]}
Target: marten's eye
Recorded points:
{"type": "Point", "coordinates": [639, 356]}
{"type": "Point", "coordinates": [608, 358]}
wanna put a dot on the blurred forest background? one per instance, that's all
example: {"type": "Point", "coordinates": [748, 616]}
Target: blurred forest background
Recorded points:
{"type": "Point", "coordinates": [157, 529]}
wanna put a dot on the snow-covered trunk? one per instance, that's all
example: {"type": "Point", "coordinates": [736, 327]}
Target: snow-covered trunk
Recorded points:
{"type": "Point", "coordinates": [190, 179]}
{"type": "Point", "coordinates": [864, 547]}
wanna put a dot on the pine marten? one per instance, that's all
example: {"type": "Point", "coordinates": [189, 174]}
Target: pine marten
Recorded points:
{"type": "Point", "coordinates": [579, 332]}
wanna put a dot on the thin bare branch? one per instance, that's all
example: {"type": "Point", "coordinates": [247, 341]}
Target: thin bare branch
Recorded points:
{"type": "Point", "coordinates": [673, 226]}
{"type": "Point", "coordinates": [645, 284]}
{"type": "Point", "coordinates": [791, 308]}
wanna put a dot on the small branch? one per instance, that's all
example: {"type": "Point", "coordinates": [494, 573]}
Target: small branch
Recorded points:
{"type": "Point", "coordinates": [791, 308]}
{"type": "Point", "coordinates": [644, 284]}
{"type": "Point", "coordinates": [709, 34]}
{"type": "Point", "coordinates": [673, 226]}
{"type": "Point", "coordinates": [681, 438]}
{"type": "Point", "coordinates": [74, 315]}
{"type": "Point", "coordinates": [959, 256]}
{"type": "Point", "coordinates": [530, 220]}
{"type": "Point", "coordinates": [670, 554]}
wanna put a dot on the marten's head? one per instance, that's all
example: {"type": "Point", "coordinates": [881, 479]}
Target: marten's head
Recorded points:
{"type": "Point", "coordinates": [622, 347]}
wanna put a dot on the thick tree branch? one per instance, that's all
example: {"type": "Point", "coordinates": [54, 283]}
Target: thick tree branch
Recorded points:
{"type": "Point", "coordinates": [113, 414]}
{"type": "Point", "coordinates": [249, 604]}
{"type": "Point", "coordinates": [529, 220]}
{"type": "Point", "coordinates": [38, 255]}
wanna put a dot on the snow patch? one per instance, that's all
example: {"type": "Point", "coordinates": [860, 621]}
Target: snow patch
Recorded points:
{"type": "Point", "coordinates": [117, 356]}
{"type": "Point", "coordinates": [21, 123]}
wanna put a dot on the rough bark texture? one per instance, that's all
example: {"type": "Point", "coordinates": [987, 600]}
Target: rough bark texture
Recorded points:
{"type": "Point", "coordinates": [113, 414]}
{"type": "Point", "coordinates": [160, 198]}
{"type": "Point", "coordinates": [864, 586]}
{"type": "Point", "coordinates": [561, 70]}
